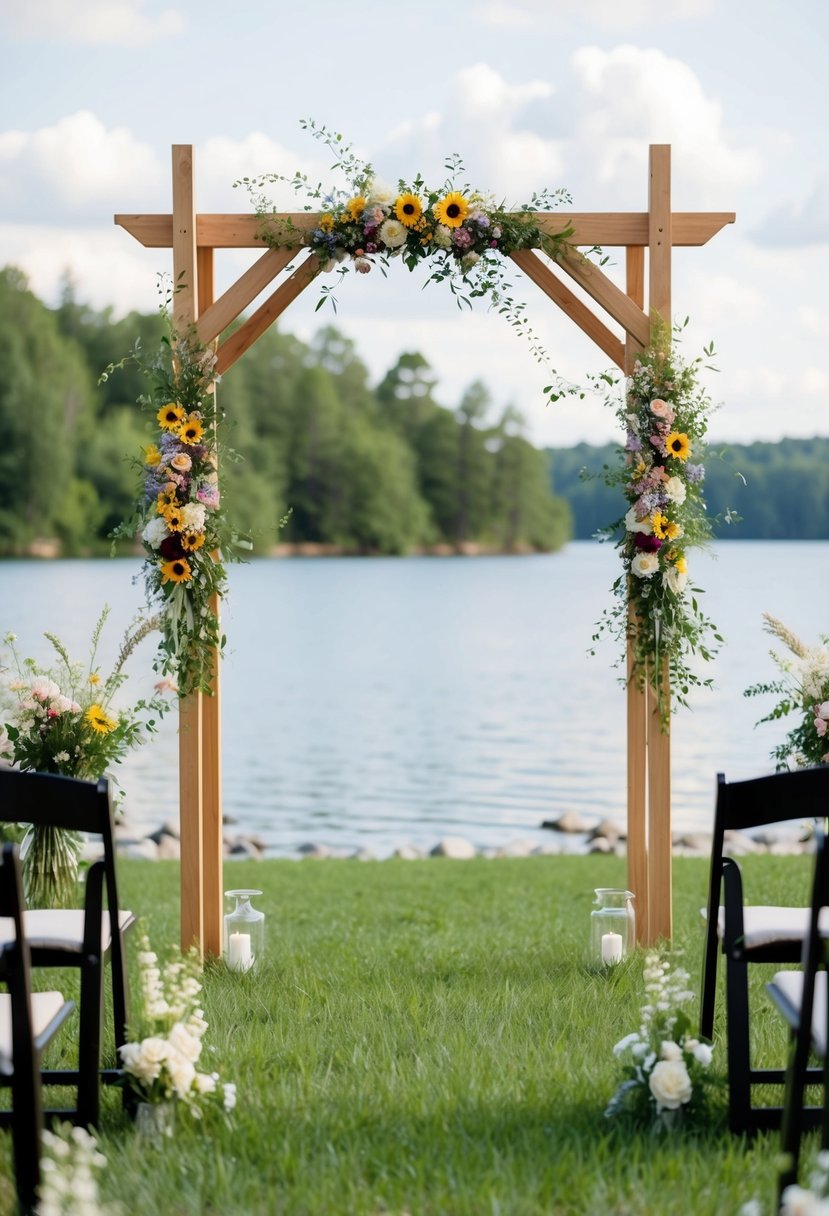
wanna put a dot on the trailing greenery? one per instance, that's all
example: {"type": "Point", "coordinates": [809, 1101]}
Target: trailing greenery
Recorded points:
{"type": "Point", "coordinates": [383, 469]}
{"type": "Point", "coordinates": [427, 1037]}
{"type": "Point", "coordinates": [754, 491]}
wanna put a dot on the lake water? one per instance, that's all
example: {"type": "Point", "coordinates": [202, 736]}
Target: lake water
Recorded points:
{"type": "Point", "coordinates": [375, 702]}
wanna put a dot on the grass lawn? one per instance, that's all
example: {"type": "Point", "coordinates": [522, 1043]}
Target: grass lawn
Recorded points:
{"type": "Point", "coordinates": [426, 1037]}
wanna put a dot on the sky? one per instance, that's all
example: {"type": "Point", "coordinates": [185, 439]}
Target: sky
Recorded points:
{"type": "Point", "coordinates": [530, 93]}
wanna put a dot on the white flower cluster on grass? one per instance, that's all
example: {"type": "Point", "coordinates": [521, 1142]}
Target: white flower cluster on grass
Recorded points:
{"type": "Point", "coordinates": [69, 1167]}
{"type": "Point", "coordinates": [798, 1200]}
{"type": "Point", "coordinates": [661, 1057]}
{"type": "Point", "coordinates": [162, 1065]}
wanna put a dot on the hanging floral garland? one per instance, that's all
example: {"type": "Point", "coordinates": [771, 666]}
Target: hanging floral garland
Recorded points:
{"type": "Point", "coordinates": [664, 414]}
{"type": "Point", "coordinates": [179, 514]}
{"type": "Point", "coordinates": [463, 233]}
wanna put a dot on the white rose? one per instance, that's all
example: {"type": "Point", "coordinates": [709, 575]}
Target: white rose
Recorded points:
{"type": "Point", "coordinates": [392, 234]}
{"type": "Point", "coordinates": [675, 489]}
{"type": "Point", "coordinates": [670, 1050]}
{"type": "Point", "coordinates": [645, 565]}
{"type": "Point", "coordinates": [670, 1084]}
{"type": "Point", "coordinates": [182, 1074]}
{"type": "Point", "coordinates": [380, 194]}
{"type": "Point", "coordinates": [192, 517]}
{"type": "Point", "coordinates": [675, 580]}
{"type": "Point", "coordinates": [144, 1060]}
{"type": "Point", "coordinates": [633, 524]}
{"type": "Point", "coordinates": [703, 1054]}
{"type": "Point", "coordinates": [155, 531]}
{"type": "Point", "coordinates": [186, 1044]}
{"type": "Point", "coordinates": [797, 1202]}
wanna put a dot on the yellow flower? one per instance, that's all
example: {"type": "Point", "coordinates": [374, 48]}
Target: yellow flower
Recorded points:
{"type": "Point", "coordinates": [94, 678]}
{"type": "Point", "coordinates": [191, 429]}
{"type": "Point", "coordinates": [165, 500]}
{"type": "Point", "coordinates": [452, 210]}
{"type": "Point", "coordinates": [678, 445]}
{"type": "Point", "coordinates": [326, 222]}
{"type": "Point", "coordinates": [171, 416]}
{"type": "Point", "coordinates": [682, 565]}
{"type": "Point", "coordinates": [673, 531]}
{"type": "Point", "coordinates": [354, 208]}
{"type": "Point", "coordinates": [190, 541]}
{"type": "Point", "coordinates": [99, 720]}
{"type": "Point", "coordinates": [177, 571]}
{"type": "Point", "coordinates": [173, 518]}
{"type": "Point", "coordinates": [152, 456]}
{"type": "Point", "coordinates": [408, 209]}
{"type": "Point", "coordinates": [660, 525]}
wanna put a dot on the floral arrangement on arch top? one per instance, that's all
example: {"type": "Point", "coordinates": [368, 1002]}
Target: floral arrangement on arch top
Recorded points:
{"type": "Point", "coordinates": [464, 233]}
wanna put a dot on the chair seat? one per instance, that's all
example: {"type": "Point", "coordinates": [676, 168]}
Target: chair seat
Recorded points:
{"type": "Point", "coordinates": [46, 1006]}
{"type": "Point", "coordinates": [786, 990]}
{"type": "Point", "coordinates": [764, 924]}
{"type": "Point", "coordinates": [59, 928]}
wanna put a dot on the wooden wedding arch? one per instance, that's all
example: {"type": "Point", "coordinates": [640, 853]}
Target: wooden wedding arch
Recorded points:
{"type": "Point", "coordinates": [648, 239]}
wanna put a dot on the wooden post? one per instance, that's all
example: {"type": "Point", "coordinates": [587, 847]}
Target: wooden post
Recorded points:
{"type": "Point", "coordinates": [659, 739]}
{"type": "Point", "coordinates": [637, 821]}
{"type": "Point", "coordinates": [185, 310]}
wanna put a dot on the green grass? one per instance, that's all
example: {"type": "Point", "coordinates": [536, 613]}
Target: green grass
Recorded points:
{"type": "Point", "coordinates": [426, 1037]}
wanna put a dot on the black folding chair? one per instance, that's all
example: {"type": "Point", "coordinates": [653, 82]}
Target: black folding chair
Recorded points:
{"type": "Point", "coordinates": [28, 1022]}
{"type": "Point", "coordinates": [83, 938]}
{"type": "Point", "coordinates": [801, 998]}
{"type": "Point", "coordinates": [752, 933]}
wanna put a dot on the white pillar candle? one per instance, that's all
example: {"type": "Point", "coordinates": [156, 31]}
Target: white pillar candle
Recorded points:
{"type": "Point", "coordinates": [611, 947]}
{"type": "Point", "coordinates": [239, 957]}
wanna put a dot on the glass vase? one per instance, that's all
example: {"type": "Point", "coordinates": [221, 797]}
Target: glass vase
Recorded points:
{"type": "Point", "coordinates": [154, 1121]}
{"type": "Point", "coordinates": [50, 858]}
{"type": "Point", "coordinates": [244, 935]}
{"type": "Point", "coordinates": [612, 926]}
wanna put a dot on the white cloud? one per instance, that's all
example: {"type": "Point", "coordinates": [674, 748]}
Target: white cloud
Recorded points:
{"type": "Point", "coordinates": [547, 14]}
{"type": "Point", "coordinates": [91, 22]}
{"type": "Point", "coordinates": [77, 164]}
{"type": "Point", "coordinates": [798, 223]}
{"type": "Point", "coordinates": [220, 162]}
{"type": "Point", "coordinates": [629, 97]}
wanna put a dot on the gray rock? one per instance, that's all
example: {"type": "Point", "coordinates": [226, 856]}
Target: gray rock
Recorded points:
{"type": "Point", "coordinates": [600, 845]}
{"type": "Point", "coordinates": [169, 849]}
{"type": "Point", "coordinates": [243, 849]}
{"type": "Point", "coordinates": [171, 829]}
{"type": "Point", "coordinates": [409, 852]}
{"type": "Point", "coordinates": [515, 848]}
{"type": "Point", "coordinates": [609, 829]}
{"type": "Point", "coordinates": [455, 847]}
{"type": "Point", "coordinates": [570, 821]}
{"type": "Point", "coordinates": [142, 850]}
{"type": "Point", "coordinates": [692, 844]}
{"type": "Point", "coordinates": [364, 855]}
{"type": "Point", "coordinates": [550, 848]}
{"type": "Point", "coordinates": [320, 852]}
{"type": "Point", "coordinates": [740, 844]}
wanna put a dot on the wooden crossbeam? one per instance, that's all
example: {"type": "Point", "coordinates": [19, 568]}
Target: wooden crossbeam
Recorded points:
{"type": "Point", "coordinates": [237, 297]}
{"type": "Point", "coordinates": [605, 292]}
{"type": "Point", "coordinates": [570, 304]}
{"type": "Point", "coordinates": [244, 337]}
{"type": "Point", "coordinates": [605, 228]}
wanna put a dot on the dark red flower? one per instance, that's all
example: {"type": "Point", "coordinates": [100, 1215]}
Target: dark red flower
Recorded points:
{"type": "Point", "coordinates": [649, 544]}
{"type": "Point", "coordinates": [170, 548]}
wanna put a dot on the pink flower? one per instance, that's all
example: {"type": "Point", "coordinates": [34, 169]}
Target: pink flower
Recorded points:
{"type": "Point", "coordinates": [820, 727]}
{"type": "Point", "coordinates": [662, 410]}
{"type": "Point", "coordinates": [209, 495]}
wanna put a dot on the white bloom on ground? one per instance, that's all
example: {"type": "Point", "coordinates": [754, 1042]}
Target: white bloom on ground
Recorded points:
{"type": "Point", "coordinates": [753, 1208]}
{"type": "Point", "coordinates": [675, 580]}
{"type": "Point", "coordinates": [634, 524]}
{"type": "Point", "coordinates": [185, 1043]}
{"type": "Point", "coordinates": [703, 1053]}
{"type": "Point", "coordinates": [670, 1050]}
{"type": "Point", "coordinates": [192, 517]}
{"type": "Point", "coordinates": [645, 565]}
{"type": "Point", "coordinates": [229, 1095]}
{"type": "Point", "coordinates": [796, 1201]}
{"type": "Point", "coordinates": [670, 1084]}
{"type": "Point", "coordinates": [675, 489]}
{"type": "Point", "coordinates": [392, 234]}
{"type": "Point", "coordinates": [155, 531]}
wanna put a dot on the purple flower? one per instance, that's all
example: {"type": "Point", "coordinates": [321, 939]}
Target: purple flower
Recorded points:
{"type": "Point", "coordinates": [658, 442]}
{"type": "Point", "coordinates": [153, 486]}
{"type": "Point", "coordinates": [633, 442]}
{"type": "Point", "coordinates": [649, 544]}
{"type": "Point", "coordinates": [462, 238]}
{"type": "Point", "coordinates": [209, 496]}
{"type": "Point", "coordinates": [695, 473]}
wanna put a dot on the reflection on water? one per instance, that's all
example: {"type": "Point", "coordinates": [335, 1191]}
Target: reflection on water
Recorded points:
{"type": "Point", "coordinates": [378, 701]}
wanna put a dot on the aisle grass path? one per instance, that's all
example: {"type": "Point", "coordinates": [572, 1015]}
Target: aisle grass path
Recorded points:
{"type": "Point", "coordinates": [426, 1038]}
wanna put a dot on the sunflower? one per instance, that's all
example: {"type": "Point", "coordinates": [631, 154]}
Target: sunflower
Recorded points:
{"type": "Point", "coordinates": [165, 500]}
{"type": "Point", "coordinates": [99, 720]}
{"type": "Point", "coordinates": [452, 210]}
{"type": "Point", "coordinates": [177, 571]}
{"type": "Point", "coordinates": [354, 208]}
{"type": "Point", "coordinates": [152, 456]}
{"type": "Point", "coordinates": [408, 209]}
{"type": "Point", "coordinates": [678, 445]}
{"type": "Point", "coordinates": [660, 525]}
{"type": "Point", "coordinates": [682, 565]}
{"type": "Point", "coordinates": [191, 430]}
{"type": "Point", "coordinates": [173, 518]}
{"type": "Point", "coordinates": [673, 531]}
{"type": "Point", "coordinates": [171, 416]}
{"type": "Point", "coordinates": [191, 541]}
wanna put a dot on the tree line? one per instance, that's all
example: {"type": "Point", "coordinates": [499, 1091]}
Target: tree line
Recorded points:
{"type": "Point", "coordinates": [754, 491]}
{"type": "Point", "coordinates": [377, 469]}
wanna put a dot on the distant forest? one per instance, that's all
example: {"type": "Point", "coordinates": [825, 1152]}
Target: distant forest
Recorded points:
{"type": "Point", "coordinates": [365, 469]}
{"type": "Point", "coordinates": [382, 469]}
{"type": "Point", "coordinates": [770, 491]}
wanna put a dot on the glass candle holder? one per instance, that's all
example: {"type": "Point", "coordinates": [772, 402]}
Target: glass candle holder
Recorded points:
{"type": "Point", "coordinates": [244, 932]}
{"type": "Point", "coordinates": [612, 926]}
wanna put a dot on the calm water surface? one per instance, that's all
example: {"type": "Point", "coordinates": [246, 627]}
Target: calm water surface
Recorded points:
{"type": "Point", "coordinates": [373, 702]}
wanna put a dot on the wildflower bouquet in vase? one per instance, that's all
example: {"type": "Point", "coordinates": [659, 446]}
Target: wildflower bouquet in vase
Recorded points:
{"type": "Point", "coordinates": [62, 719]}
{"type": "Point", "coordinates": [804, 691]}
{"type": "Point", "coordinates": [160, 1065]}
{"type": "Point", "coordinates": [665, 1068]}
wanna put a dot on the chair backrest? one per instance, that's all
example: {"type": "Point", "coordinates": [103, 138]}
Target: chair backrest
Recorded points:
{"type": "Point", "coordinates": [11, 904]}
{"type": "Point", "coordinates": [14, 959]}
{"type": "Point", "coordinates": [51, 800]}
